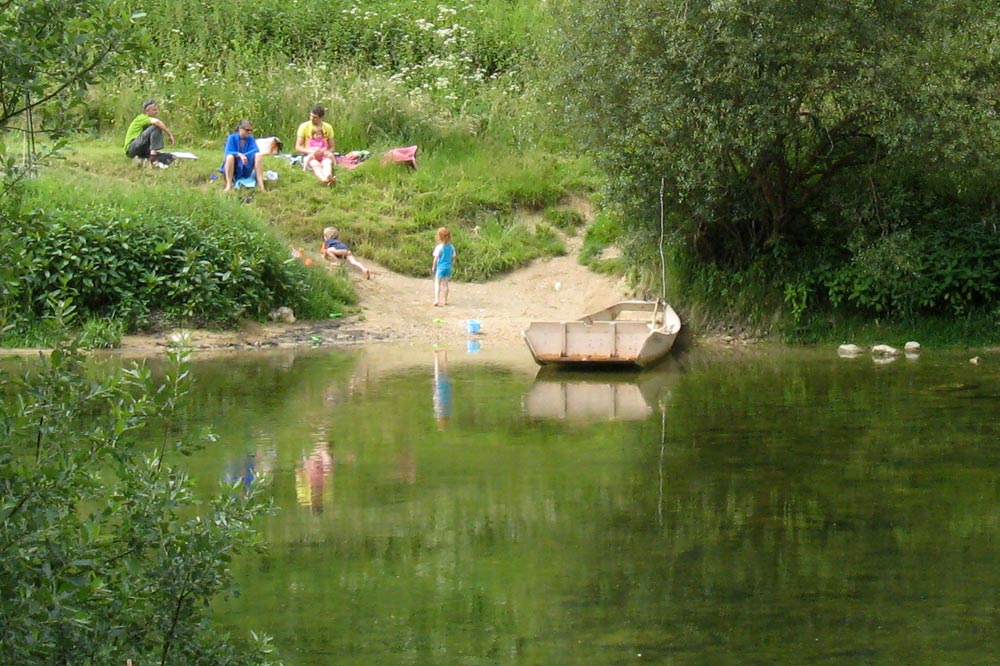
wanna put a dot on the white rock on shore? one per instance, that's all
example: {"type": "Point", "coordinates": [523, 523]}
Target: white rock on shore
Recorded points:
{"type": "Point", "coordinates": [885, 350]}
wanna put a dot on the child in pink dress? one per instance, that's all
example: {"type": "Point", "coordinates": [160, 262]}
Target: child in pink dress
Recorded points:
{"type": "Point", "coordinates": [319, 159]}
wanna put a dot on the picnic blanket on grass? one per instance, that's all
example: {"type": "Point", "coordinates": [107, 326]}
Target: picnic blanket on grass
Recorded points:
{"type": "Point", "coordinates": [352, 159]}
{"type": "Point", "coordinates": [406, 156]}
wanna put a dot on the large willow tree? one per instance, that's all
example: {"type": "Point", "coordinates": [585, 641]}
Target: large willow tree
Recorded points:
{"type": "Point", "coordinates": [773, 123]}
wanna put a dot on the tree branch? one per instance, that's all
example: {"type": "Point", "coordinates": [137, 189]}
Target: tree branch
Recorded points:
{"type": "Point", "coordinates": [76, 74]}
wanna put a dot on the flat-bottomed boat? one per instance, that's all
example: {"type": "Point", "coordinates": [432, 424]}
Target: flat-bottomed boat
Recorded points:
{"type": "Point", "coordinates": [628, 333]}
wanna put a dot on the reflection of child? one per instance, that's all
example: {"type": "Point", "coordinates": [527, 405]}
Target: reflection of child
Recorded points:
{"type": "Point", "coordinates": [442, 389]}
{"type": "Point", "coordinates": [244, 473]}
{"type": "Point", "coordinates": [334, 249]}
{"type": "Point", "coordinates": [444, 256]}
{"type": "Point", "coordinates": [311, 476]}
{"type": "Point", "coordinates": [254, 466]}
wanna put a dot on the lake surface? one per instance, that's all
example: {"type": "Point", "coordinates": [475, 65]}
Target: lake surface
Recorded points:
{"type": "Point", "coordinates": [763, 507]}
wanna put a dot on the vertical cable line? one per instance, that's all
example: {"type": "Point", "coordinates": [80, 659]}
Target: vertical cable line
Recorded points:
{"type": "Point", "coordinates": [663, 260]}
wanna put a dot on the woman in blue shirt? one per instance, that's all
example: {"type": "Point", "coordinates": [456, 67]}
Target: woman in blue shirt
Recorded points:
{"type": "Point", "coordinates": [242, 159]}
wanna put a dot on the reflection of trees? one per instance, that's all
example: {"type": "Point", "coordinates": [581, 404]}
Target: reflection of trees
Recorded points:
{"type": "Point", "coordinates": [295, 385]}
{"type": "Point", "coordinates": [797, 512]}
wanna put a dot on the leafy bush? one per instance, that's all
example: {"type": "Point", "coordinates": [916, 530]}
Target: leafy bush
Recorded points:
{"type": "Point", "coordinates": [324, 293]}
{"type": "Point", "coordinates": [105, 553]}
{"type": "Point", "coordinates": [136, 258]}
{"type": "Point", "coordinates": [103, 333]}
{"type": "Point", "coordinates": [906, 273]}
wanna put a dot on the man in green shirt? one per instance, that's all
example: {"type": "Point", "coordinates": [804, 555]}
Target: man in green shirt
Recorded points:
{"type": "Point", "coordinates": [144, 137]}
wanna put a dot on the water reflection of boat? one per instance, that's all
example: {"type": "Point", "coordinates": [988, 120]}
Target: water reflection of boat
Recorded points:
{"type": "Point", "coordinates": [595, 396]}
{"type": "Point", "coordinates": [629, 333]}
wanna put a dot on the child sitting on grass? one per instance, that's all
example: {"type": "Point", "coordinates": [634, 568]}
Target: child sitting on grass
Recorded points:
{"type": "Point", "coordinates": [319, 159]}
{"type": "Point", "coordinates": [334, 250]}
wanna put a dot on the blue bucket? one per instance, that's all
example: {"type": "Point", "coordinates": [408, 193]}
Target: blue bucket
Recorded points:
{"type": "Point", "coordinates": [472, 346]}
{"type": "Point", "coordinates": [472, 326]}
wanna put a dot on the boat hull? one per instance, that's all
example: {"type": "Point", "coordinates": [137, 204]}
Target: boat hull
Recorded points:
{"type": "Point", "coordinates": [630, 333]}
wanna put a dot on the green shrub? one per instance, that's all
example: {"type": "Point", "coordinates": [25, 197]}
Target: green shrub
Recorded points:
{"type": "Point", "coordinates": [906, 273]}
{"type": "Point", "coordinates": [564, 219]}
{"type": "Point", "coordinates": [152, 257]}
{"type": "Point", "coordinates": [324, 293]}
{"type": "Point", "coordinates": [102, 333]}
{"type": "Point", "coordinates": [901, 278]}
{"type": "Point", "coordinates": [107, 556]}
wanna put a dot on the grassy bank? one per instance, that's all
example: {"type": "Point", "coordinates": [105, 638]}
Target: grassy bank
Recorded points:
{"type": "Point", "coordinates": [504, 207]}
{"type": "Point", "coordinates": [455, 81]}
{"type": "Point", "coordinates": [108, 247]}
{"type": "Point", "coordinates": [496, 164]}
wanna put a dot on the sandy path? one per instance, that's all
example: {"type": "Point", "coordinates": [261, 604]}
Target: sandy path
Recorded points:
{"type": "Point", "coordinates": [398, 308]}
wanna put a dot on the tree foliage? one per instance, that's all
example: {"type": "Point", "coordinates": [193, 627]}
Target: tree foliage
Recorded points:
{"type": "Point", "coordinates": [772, 122]}
{"type": "Point", "coordinates": [53, 49]}
{"type": "Point", "coordinates": [105, 554]}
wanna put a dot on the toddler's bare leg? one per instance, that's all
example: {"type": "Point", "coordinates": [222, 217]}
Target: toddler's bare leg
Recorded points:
{"type": "Point", "coordinates": [317, 168]}
{"type": "Point", "coordinates": [357, 264]}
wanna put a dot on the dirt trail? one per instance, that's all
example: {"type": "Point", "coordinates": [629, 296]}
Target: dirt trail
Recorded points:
{"type": "Point", "coordinates": [399, 308]}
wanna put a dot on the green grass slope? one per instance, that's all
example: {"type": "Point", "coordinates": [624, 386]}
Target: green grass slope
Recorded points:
{"type": "Point", "coordinates": [497, 202]}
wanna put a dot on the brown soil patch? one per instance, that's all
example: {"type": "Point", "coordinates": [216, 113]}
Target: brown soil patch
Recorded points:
{"type": "Point", "coordinates": [399, 308]}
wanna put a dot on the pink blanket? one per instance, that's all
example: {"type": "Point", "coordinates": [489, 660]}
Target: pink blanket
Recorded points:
{"type": "Point", "coordinates": [402, 155]}
{"type": "Point", "coordinates": [350, 160]}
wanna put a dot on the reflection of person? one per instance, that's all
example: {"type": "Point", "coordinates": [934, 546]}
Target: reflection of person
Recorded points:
{"type": "Point", "coordinates": [249, 471]}
{"type": "Point", "coordinates": [322, 168]}
{"type": "Point", "coordinates": [244, 473]}
{"type": "Point", "coordinates": [144, 136]}
{"type": "Point", "coordinates": [334, 249]}
{"type": "Point", "coordinates": [442, 389]}
{"type": "Point", "coordinates": [311, 475]}
{"type": "Point", "coordinates": [242, 158]}
{"type": "Point", "coordinates": [444, 256]}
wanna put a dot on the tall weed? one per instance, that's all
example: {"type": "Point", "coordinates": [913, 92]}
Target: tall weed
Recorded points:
{"type": "Point", "coordinates": [270, 61]}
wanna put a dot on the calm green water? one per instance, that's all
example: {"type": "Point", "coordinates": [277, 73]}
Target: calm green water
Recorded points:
{"type": "Point", "coordinates": [775, 507]}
